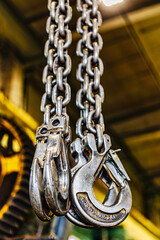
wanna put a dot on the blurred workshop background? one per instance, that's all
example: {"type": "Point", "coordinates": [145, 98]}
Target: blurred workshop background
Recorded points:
{"type": "Point", "coordinates": [131, 80]}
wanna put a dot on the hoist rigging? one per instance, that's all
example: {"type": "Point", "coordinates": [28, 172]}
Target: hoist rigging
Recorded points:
{"type": "Point", "coordinates": [54, 188]}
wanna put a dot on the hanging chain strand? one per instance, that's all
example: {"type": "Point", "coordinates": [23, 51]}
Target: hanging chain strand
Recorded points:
{"type": "Point", "coordinates": [50, 172]}
{"type": "Point", "coordinates": [57, 91]}
{"type": "Point", "coordinates": [91, 95]}
{"type": "Point", "coordinates": [92, 151]}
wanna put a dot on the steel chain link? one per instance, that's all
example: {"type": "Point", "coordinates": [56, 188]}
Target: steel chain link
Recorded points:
{"type": "Point", "coordinates": [92, 150]}
{"type": "Point", "coordinates": [50, 172]}
{"type": "Point", "coordinates": [91, 95]}
{"type": "Point", "coordinates": [58, 61]}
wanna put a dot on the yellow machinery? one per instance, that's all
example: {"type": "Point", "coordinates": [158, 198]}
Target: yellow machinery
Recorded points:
{"type": "Point", "coordinates": [16, 153]}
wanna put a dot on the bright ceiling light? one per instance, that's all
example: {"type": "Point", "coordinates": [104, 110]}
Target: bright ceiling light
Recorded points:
{"type": "Point", "coordinates": [109, 3]}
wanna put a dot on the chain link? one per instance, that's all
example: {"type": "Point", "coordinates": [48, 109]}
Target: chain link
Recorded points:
{"type": "Point", "coordinates": [58, 61]}
{"type": "Point", "coordinates": [50, 180]}
{"type": "Point", "coordinates": [50, 173]}
{"type": "Point", "coordinates": [91, 95]}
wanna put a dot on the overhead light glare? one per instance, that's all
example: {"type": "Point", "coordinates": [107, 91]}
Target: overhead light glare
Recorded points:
{"type": "Point", "coordinates": [109, 3]}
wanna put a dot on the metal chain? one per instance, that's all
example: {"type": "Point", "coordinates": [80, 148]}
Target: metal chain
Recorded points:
{"type": "Point", "coordinates": [92, 150]}
{"type": "Point", "coordinates": [50, 179]}
{"type": "Point", "coordinates": [91, 94]}
{"type": "Point", "coordinates": [57, 91]}
{"type": "Point", "coordinates": [50, 190]}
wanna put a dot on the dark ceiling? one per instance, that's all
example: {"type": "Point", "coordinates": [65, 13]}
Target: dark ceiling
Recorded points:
{"type": "Point", "coordinates": [131, 55]}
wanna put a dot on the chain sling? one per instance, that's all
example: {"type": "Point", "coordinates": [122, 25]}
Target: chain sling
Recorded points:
{"type": "Point", "coordinates": [50, 174]}
{"type": "Point", "coordinates": [94, 158]}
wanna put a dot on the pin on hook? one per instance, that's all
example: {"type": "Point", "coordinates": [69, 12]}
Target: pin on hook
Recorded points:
{"type": "Point", "coordinates": [115, 151]}
{"type": "Point", "coordinates": [86, 204]}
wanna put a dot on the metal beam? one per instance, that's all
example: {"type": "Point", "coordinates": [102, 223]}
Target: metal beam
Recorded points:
{"type": "Point", "coordinates": [133, 114]}
{"type": "Point", "coordinates": [139, 45]}
{"type": "Point", "coordinates": [140, 132]}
